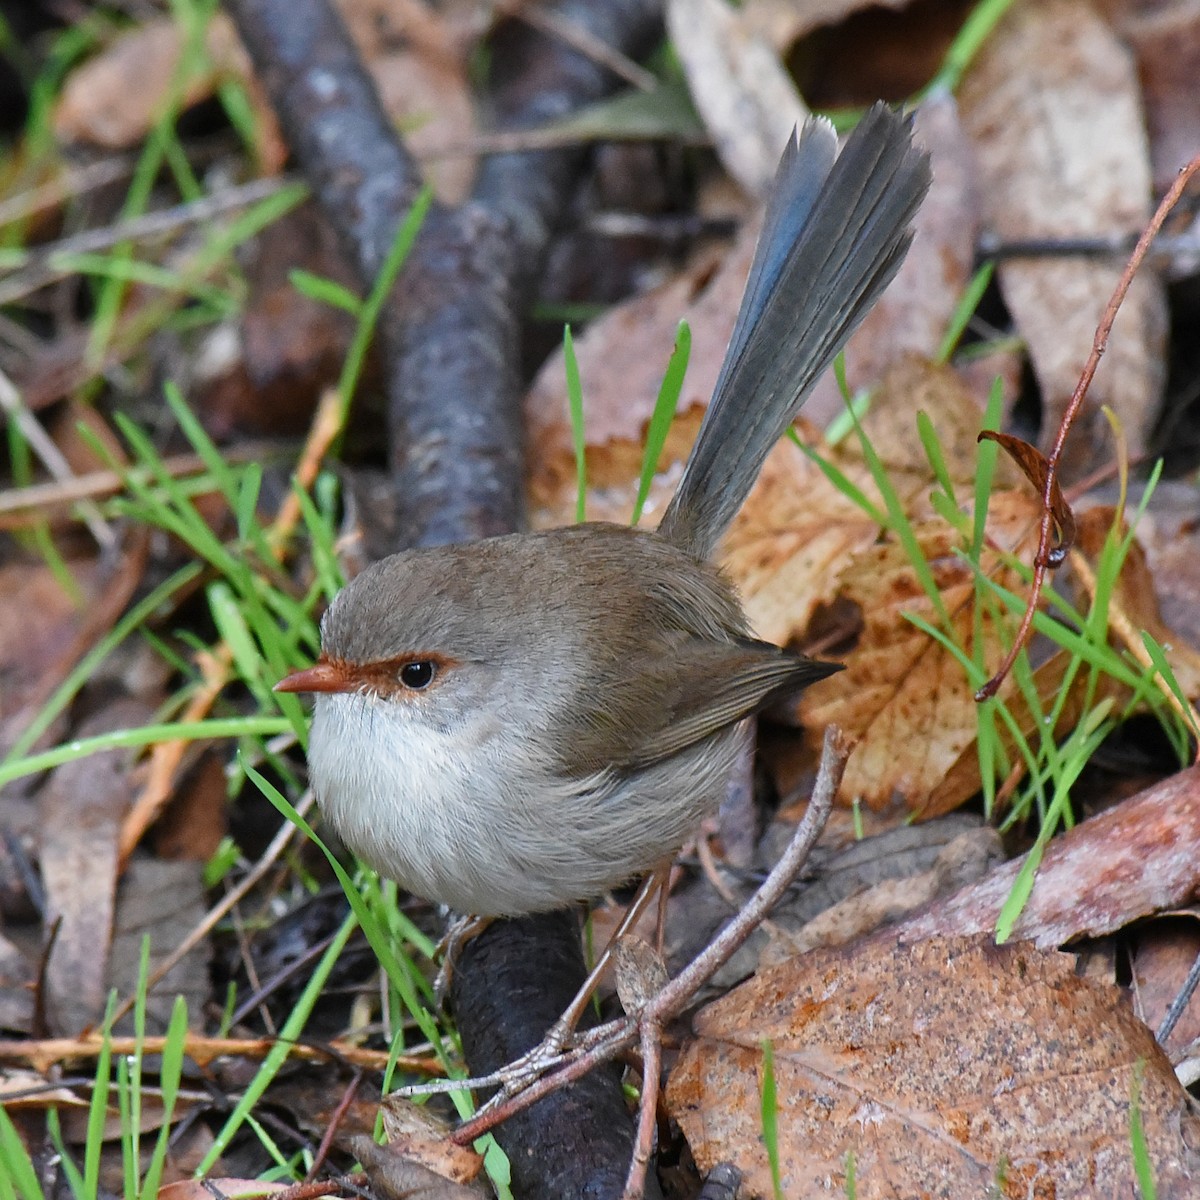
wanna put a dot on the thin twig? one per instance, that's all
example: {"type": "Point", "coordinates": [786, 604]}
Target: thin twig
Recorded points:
{"type": "Point", "coordinates": [44, 1053]}
{"type": "Point", "coordinates": [52, 458]}
{"type": "Point", "coordinates": [95, 485]}
{"type": "Point", "coordinates": [1043, 558]}
{"type": "Point", "coordinates": [52, 262]}
{"type": "Point", "coordinates": [579, 38]}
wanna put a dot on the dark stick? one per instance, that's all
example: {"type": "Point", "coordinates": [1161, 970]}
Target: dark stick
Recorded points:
{"type": "Point", "coordinates": [451, 341]}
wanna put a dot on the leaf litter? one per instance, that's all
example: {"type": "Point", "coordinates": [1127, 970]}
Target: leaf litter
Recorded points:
{"type": "Point", "coordinates": [912, 1050]}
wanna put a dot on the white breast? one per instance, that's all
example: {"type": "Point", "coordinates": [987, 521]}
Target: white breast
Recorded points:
{"type": "Point", "coordinates": [496, 832]}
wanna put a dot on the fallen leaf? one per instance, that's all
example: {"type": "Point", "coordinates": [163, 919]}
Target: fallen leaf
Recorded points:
{"type": "Point", "coordinates": [163, 901]}
{"type": "Point", "coordinates": [1053, 109]}
{"type": "Point", "coordinates": [417, 1134]}
{"type": "Point", "coordinates": [393, 1174]}
{"type": "Point", "coordinates": [945, 1067]}
{"type": "Point", "coordinates": [748, 101]}
{"type": "Point", "coordinates": [1166, 40]}
{"type": "Point", "coordinates": [1164, 953]}
{"type": "Point", "coordinates": [1131, 861]}
{"type": "Point", "coordinates": [81, 808]}
{"type": "Point", "coordinates": [905, 699]}
{"type": "Point", "coordinates": [788, 546]}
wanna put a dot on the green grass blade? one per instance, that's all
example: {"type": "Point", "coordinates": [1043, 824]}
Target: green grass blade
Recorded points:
{"type": "Point", "coordinates": [325, 291]}
{"type": "Point", "coordinates": [770, 1117]}
{"type": "Point", "coordinates": [189, 731]}
{"type": "Point", "coordinates": [372, 306]}
{"type": "Point", "coordinates": [277, 1056]}
{"type": "Point", "coordinates": [664, 413]}
{"type": "Point", "coordinates": [18, 1177]}
{"type": "Point", "coordinates": [170, 1073]}
{"type": "Point", "coordinates": [964, 311]}
{"type": "Point", "coordinates": [578, 435]}
{"type": "Point", "coordinates": [1143, 1169]}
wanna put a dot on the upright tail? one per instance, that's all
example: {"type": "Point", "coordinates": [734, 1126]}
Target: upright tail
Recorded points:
{"type": "Point", "coordinates": [835, 234]}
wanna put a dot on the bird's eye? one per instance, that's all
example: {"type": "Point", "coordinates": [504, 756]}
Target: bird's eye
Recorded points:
{"type": "Point", "coordinates": [417, 675]}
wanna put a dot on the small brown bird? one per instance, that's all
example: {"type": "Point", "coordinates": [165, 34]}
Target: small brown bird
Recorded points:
{"type": "Point", "coordinates": [524, 722]}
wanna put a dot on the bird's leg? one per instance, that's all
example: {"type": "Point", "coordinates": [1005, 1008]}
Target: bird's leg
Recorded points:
{"type": "Point", "coordinates": [458, 933]}
{"type": "Point", "coordinates": [537, 1061]}
{"type": "Point", "coordinates": [595, 1046]}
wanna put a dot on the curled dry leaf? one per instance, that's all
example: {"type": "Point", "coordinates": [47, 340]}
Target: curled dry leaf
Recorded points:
{"type": "Point", "coordinates": [394, 1174]}
{"type": "Point", "coordinates": [944, 1066]}
{"type": "Point", "coordinates": [1052, 105]}
{"type": "Point", "coordinates": [1036, 468]}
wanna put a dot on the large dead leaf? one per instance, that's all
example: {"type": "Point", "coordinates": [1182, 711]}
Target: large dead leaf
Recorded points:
{"type": "Point", "coordinates": [1135, 859]}
{"type": "Point", "coordinates": [904, 697]}
{"type": "Point", "coordinates": [946, 1068]}
{"type": "Point", "coordinates": [1053, 107]}
{"type": "Point", "coordinates": [788, 546]}
{"type": "Point", "coordinates": [82, 807]}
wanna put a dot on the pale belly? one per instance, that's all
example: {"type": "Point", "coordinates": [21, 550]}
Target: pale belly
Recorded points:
{"type": "Point", "coordinates": [499, 834]}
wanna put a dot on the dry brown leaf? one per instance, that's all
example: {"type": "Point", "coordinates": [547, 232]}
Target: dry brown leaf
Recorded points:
{"type": "Point", "coordinates": [740, 88]}
{"type": "Point", "coordinates": [784, 22]}
{"type": "Point", "coordinates": [791, 541]}
{"type": "Point", "coordinates": [1036, 468]}
{"type": "Point", "coordinates": [905, 698]}
{"type": "Point", "coordinates": [81, 808]}
{"type": "Point", "coordinates": [944, 1067]}
{"type": "Point", "coordinates": [1133, 860]}
{"type": "Point", "coordinates": [1053, 108]}
{"type": "Point", "coordinates": [114, 99]}
{"type": "Point", "coordinates": [416, 1133]}
{"type": "Point", "coordinates": [162, 901]}
{"type": "Point", "coordinates": [1165, 952]}
{"type": "Point", "coordinates": [393, 1174]}
{"type": "Point", "coordinates": [1166, 40]}
{"type": "Point", "coordinates": [37, 620]}
{"type": "Point", "coordinates": [796, 533]}
{"type": "Point", "coordinates": [963, 860]}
